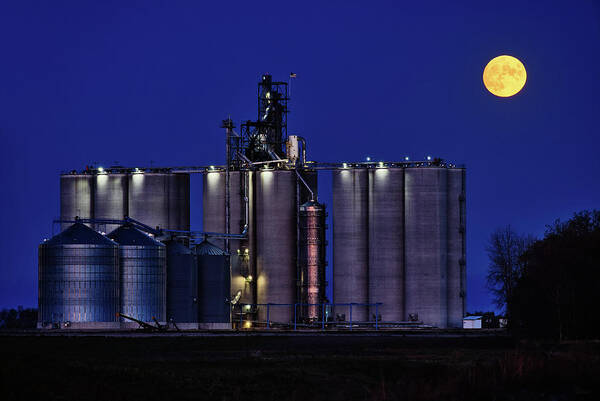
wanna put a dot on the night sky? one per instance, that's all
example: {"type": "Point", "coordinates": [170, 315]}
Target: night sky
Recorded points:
{"type": "Point", "coordinates": [149, 82]}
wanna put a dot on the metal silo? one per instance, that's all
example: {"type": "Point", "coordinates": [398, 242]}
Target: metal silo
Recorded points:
{"type": "Point", "coordinates": [78, 280]}
{"type": "Point", "coordinates": [276, 224]}
{"type": "Point", "coordinates": [350, 241]}
{"type": "Point", "coordinates": [110, 199]}
{"type": "Point", "coordinates": [214, 308]}
{"type": "Point", "coordinates": [386, 239]}
{"type": "Point", "coordinates": [425, 220]}
{"type": "Point", "coordinates": [456, 247]}
{"type": "Point", "coordinates": [182, 285]}
{"type": "Point", "coordinates": [76, 197]}
{"type": "Point", "coordinates": [143, 275]}
{"type": "Point", "coordinates": [160, 199]}
{"type": "Point", "coordinates": [312, 259]}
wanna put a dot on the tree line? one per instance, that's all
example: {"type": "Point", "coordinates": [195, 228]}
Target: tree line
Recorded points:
{"type": "Point", "coordinates": [549, 287]}
{"type": "Point", "coordinates": [19, 318]}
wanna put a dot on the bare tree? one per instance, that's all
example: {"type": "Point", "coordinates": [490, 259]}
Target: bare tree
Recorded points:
{"type": "Point", "coordinates": [505, 250]}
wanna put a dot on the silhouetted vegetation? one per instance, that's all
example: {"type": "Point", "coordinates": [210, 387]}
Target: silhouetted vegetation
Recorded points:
{"type": "Point", "coordinates": [549, 286]}
{"type": "Point", "coordinates": [18, 318]}
{"type": "Point", "coordinates": [505, 249]}
{"type": "Point", "coordinates": [557, 294]}
{"type": "Point", "coordinates": [306, 367]}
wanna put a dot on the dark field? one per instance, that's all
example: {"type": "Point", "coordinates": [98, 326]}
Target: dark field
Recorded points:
{"type": "Point", "coordinates": [295, 367]}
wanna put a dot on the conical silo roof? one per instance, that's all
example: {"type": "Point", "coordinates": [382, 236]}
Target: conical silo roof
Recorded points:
{"type": "Point", "coordinates": [176, 247]}
{"type": "Point", "coordinates": [311, 203]}
{"type": "Point", "coordinates": [129, 235]}
{"type": "Point", "coordinates": [206, 248]}
{"type": "Point", "coordinates": [79, 233]}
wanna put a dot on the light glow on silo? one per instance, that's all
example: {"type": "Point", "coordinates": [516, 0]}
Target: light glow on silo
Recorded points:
{"type": "Point", "coordinates": [137, 180]}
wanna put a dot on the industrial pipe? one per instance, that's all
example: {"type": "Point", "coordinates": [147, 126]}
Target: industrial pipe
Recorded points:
{"type": "Point", "coordinates": [312, 195]}
{"type": "Point", "coordinates": [271, 161]}
{"type": "Point", "coordinates": [303, 148]}
{"type": "Point", "coordinates": [242, 235]}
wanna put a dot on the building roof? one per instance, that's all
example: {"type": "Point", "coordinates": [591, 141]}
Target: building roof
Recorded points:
{"type": "Point", "coordinates": [472, 317]}
{"type": "Point", "coordinates": [176, 247]}
{"type": "Point", "coordinates": [129, 235]}
{"type": "Point", "coordinates": [79, 233]}
{"type": "Point", "coordinates": [206, 248]}
{"type": "Point", "coordinates": [311, 203]}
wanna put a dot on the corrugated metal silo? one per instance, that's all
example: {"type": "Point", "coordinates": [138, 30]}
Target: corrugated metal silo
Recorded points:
{"type": "Point", "coordinates": [350, 241]}
{"type": "Point", "coordinates": [160, 199]}
{"type": "Point", "coordinates": [276, 223]}
{"type": "Point", "coordinates": [425, 219]}
{"type": "Point", "coordinates": [312, 259]}
{"type": "Point", "coordinates": [386, 242]}
{"type": "Point", "coordinates": [76, 197]}
{"type": "Point", "coordinates": [214, 309]}
{"type": "Point", "coordinates": [79, 280]}
{"type": "Point", "coordinates": [110, 199]}
{"type": "Point", "coordinates": [143, 274]}
{"type": "Point", "coordinates": [182, 285]}
{"type": "Point", "coordinates": [456, 247]}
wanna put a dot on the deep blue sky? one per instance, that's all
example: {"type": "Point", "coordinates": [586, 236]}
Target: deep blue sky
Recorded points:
{"type": "Point", "coordinates": [139, 81]}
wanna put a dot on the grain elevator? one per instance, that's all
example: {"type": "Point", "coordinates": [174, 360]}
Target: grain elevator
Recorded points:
{"type": "Point", "coordinates": [396, 234]}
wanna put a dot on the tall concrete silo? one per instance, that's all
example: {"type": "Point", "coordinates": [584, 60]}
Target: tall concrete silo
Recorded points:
{"type": "Point", "coordinates": [386, 242]}
{"type": "Point", "coordinates": [350, 241]}
{"type": "Point", "coordinates": [425, 222]}
{"type": "Point", "coordinates": [76, 197]}
{"type": "Point", "coordinates": [78, 280]}
{"type": "Point", "coordinates": [214, 218]}
{"type": "Point", "coordinates": [263, 266]}
{"type": "Point", "coordinates": [110, 199]}
{"type": "Point", "coordinates": [276, 225]}
{"type": "Point", "coordinates": [243, 254]}
{"type": "Point", "coordinates": [249, 293]}
{"type": "Point", "coordinates": [160, 199]}
{"type": "Point", "coordinates": [143, 275]}
{"type": "Point", "coordinates": [213, 203]}
{"type": "Point", "coordinates": [214, 208]}
{"type": "Point", "coordinates": [456, 247]}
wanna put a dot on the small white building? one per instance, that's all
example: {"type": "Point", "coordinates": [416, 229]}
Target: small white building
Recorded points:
{"type": "Point", "coordinates": [472, 322]}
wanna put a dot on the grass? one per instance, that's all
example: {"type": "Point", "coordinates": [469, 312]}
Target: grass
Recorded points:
{"type": "Point", "coordinates": [295, 368]}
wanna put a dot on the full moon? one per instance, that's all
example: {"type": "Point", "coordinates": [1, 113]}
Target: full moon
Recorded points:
{"type": "Point", "coordinates": [504, 76]}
